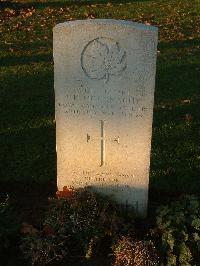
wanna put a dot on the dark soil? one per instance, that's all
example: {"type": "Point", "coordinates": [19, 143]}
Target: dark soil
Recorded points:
{"type": "Point", "coordinates": [29, 200]}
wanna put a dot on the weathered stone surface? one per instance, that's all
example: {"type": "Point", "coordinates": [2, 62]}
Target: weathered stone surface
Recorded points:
{"type": "Point", "coordinates": [104, 90]}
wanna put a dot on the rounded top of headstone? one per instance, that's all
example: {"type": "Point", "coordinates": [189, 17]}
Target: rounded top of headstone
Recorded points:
{"type": "Point", "coordinates": [125, 23]}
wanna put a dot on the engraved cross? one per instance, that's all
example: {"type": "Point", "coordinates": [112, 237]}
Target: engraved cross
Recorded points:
{"type": "Point", "coordinates": [103, 140]}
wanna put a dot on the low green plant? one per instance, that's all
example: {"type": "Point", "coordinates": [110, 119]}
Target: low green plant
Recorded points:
{"type": "Point", "coordinates": [178, 226]}
{"type": "Point", "coordinates": [43, 249]}
{"type": "Point", "coordinates": [77, 222]}
{"type": "Point", "coordinates": [132, 252]}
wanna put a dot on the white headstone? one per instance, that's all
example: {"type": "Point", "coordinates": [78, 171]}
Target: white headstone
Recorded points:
{"type": "Point", "coordinates": [104, 91]}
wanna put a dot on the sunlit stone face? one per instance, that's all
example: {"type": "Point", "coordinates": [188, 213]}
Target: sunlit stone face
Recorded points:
{"type": "Point", "coordinates": [104, 90]}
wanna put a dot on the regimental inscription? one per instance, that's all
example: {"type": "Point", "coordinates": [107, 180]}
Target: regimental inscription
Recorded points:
{"type": "Point", "coordinates": [103, 57]}
{"type": "Point", "coordinates": [131, 103]}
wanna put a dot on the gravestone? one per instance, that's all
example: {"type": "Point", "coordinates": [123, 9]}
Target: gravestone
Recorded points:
{"type": "Point", "coordinates": [104, 92]}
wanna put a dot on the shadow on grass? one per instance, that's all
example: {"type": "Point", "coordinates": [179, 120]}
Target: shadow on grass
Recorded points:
{"type": "Point", "coordinates": [24, 60]}
{"type": "Point", "coordinates": [180, 44]}
{"type": "Point", "coordinates": [27, 132]}
{"type": "Point", "coordinates": [176, 81]}
{"type": "Point", "coordinates": [27, 94]}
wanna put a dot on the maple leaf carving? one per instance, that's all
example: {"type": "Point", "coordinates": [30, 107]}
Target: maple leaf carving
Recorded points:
{"type": "Point", "coordinates": [116, 60]}
{"type": "Point", "coordinates": [103, 57]}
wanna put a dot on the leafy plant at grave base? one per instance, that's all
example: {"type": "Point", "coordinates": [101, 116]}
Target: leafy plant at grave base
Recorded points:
{"type": "Point", "coordinates": [132, 252]}
{"type": "Point", "coordinates": [178, 227]}
{"type": "Point", "coordinates": [8, 229]}
{"type": "Point", "coordinates": [77, 222]}
{"type": "Point", "coordinates": [43, 249]}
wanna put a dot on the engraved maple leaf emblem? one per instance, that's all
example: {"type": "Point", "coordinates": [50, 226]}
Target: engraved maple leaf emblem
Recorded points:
{"type": "Point", "coordinates": [103, 57]}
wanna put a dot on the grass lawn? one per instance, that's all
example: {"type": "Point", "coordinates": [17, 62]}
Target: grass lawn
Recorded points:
{"type": "Point", "coordinates": [27, 126]}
